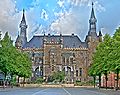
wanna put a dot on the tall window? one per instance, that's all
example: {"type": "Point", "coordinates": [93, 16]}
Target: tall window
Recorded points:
{"type": "Point", "coordinates": [63, 60]}
{"type": "Point", "coordinates": [73, 54]}
{"type": "Point", "coordinates": [67, 60]}
{"type": "Point", "coordinates": [53, 61]}
{"type": "Point", "coordinates": [52, 68]}
{"type": "Point", "coordinates": [53, 56]}
{"type": "Point", "coordinates": [80, 71]}
{"type": "Point", "coordinates": [77, 73]}
{"type": "Point", "coordinates": [33, 55]}
{"type": "Point", "coordinates": [71, 60]}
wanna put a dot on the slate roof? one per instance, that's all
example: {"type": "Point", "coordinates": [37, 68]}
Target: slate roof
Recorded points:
{"type": "Point", "coordinates": [71, 41]}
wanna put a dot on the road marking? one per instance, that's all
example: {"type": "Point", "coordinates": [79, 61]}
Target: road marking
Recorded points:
{"type": "Point", "coordinates": [66, 91]}
{"type": "Point", "coordinates": [40, 91]}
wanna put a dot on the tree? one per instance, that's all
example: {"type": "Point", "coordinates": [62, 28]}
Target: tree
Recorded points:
{"type": "Point", "coordinates": [107, 57]}
{"type": "Point", "coordinates": [5, 55]}
{"type": "Point", "coordinates": [101, 63]}
{"type": "Point", "coordinates": [13, 61]}
{"type": "Point", "coordinates": [114, 56]}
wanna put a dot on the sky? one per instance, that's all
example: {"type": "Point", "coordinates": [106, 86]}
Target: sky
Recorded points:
{"type": "Point", "coordinates": [58, 16]}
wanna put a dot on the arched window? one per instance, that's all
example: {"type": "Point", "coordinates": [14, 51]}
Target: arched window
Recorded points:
{"type": "Point", "coordinates": [67, 60]}
{"type": "Point", "coordinates": [63, 59]}
{"type": "Point", "coordinates": [71, 60]}
{"type": "Point", "coordinates": [53, 55]}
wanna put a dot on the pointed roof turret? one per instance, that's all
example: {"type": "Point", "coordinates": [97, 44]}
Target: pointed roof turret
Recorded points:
{"type": "Point", "coordinates": [23, 21]}
{"type": "Point", "coordinates": [100, 33]}
{"type": "Point", "coordinates": [92, 23]}
{"type": "Point", "coordinates": [92, 17]}
{"type": "Point", "coordinates": [23, 18]}
{"type": "Point", "coordinates": [92, 12]}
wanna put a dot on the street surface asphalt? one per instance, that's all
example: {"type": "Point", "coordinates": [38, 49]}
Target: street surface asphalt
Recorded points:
{"type": "Point", "coordinates": [56, 91]}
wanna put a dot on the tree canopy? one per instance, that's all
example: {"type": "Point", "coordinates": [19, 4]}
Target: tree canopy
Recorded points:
{"type": "Point", "coordinates": [13, 61]}
{"type": "Point", "coordinates": [107, 56]}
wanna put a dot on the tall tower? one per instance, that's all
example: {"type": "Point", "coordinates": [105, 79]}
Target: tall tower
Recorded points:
{"type": "Point", "coordinates": [92, 24]}
{"type": "Point", "coordinates": [23, 28]}
{"type": "Point", "coordinates": [92, 35]}
{"type": "Point", "coordinates": [22, 39]}
{"type": "Point", "coordinates": [92, 39]}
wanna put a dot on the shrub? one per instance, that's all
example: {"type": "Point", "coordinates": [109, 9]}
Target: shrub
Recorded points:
{"type": "Point", "coordinates": [39, 80]}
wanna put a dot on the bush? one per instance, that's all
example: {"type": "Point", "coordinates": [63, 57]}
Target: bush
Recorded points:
{"type": "Point", "coordinates": [88, 83]}
{"type": "Point", "coordinates": [58, 76]}
{"type": "Point", "coordinates": [39, 80]}
{"type": "Point", "coordinates": [79, 83]}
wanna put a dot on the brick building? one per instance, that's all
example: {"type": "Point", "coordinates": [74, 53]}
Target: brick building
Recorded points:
{"type": "Point", "coordinates": [52, 53]}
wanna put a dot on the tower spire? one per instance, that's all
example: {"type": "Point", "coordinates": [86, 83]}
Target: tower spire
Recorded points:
{"type": "Point", "coordinates": [92, 12]}
{"type": "Point", "coordinates": [23, 28]}
{"type": "Point", "coordinates": [92, 23]}
{"type": "Point", "coordinates": [23, 17]}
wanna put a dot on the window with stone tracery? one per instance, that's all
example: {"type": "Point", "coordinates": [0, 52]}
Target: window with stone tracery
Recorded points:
{"type": "Point", "coordinates": [53, 55]}
{"type": "Point", "coordinates": [80, 71]}
{"type": "Point", "coordinates": [52, 68]}
{"type": "Point", "coordinates": [63, 59]}
{"type": "Point", "coordinates": [76, 72]}
{"type": "Point", "coordinates": [71, 60]}
{"type": "Point", "coordinates": [67, 60]}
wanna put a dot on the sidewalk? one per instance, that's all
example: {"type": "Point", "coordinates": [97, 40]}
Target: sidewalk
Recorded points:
{"type": "Point", "coordinates": [105, 91]}
{"type": "Point", "coordinates": [8, 88]}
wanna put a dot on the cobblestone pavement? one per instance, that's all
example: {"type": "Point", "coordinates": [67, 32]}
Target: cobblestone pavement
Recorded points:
{"type": "Point", "coordinates": [57, 91]}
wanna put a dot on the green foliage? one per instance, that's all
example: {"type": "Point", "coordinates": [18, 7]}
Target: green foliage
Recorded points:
{"type": "Point", "coordinates": [39, 80]}
{"type": "Point", "coordinates": [57, 76]}
{"type": "Point", "coordinates": [13, 61]}
{"type": "Point", "coordinates": [13, 80]}
{"type": "Point", "coordinates": [88, 83]}
{"type": "Point", "coordinates": [115, 54]}
{"type": "Point", "coordinates": [107, 55]}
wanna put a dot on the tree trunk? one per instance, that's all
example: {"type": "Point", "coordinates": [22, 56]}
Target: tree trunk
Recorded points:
{"type": "Point", "coordinates": [18, 79]}
{"type": "Point", "coordinates": [23, 81]}
{"type": "Point", "coordinates": [4, 81]}
{"type": "Point", "coordinates": [94, 77]}
{"type": "Point", "coordinates": [12, 81]}
{"type": "Point", "coordinates": [117, 80]}
{"type": "Point", "coordinates": [99, 80]}
{"type": "Point", "coordinates": [106, 79]}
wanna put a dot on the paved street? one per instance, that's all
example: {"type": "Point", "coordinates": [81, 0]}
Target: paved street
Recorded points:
{"type": "Point", "coordinates": [56, 91]}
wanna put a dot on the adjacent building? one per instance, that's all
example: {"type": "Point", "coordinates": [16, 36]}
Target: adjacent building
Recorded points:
{"type": "Point", "coordinates": [52, 53]}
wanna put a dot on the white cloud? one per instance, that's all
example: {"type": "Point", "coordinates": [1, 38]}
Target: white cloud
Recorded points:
{"type": "Point", "coordinates": [72, 22]}
{"type": "Point", "coordinates": [44, 15]}
{"type": "Point", "coordinates": [9, 18]}
{"type": "Point", "coordinates": [78, 2]}
{"type": "Point", "coordinates": [60, 3]}
{"type": "Point", "coordinates": [35, 3]}
{"type": "Point", "coordinates": [67, 24]}
{"type": "Point", "coordinates": [97, 5]}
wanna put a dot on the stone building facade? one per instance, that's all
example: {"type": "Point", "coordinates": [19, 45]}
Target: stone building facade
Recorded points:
{"type": "Point", "coordinates": [52, 53]}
